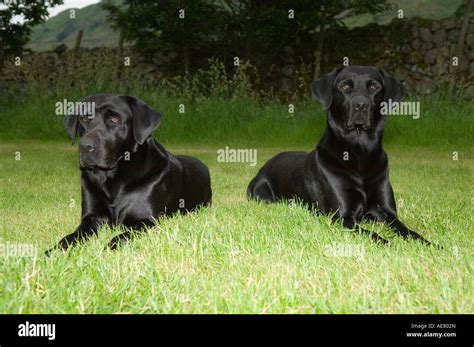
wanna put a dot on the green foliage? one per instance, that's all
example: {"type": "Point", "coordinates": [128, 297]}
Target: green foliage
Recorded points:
{"type": "Point", "coordinates": [97, 32]}
{"type": "Point", "coordinates": [99, 72]}
{"type": "Point", "coordinates": [215, 83]}
{"type": "Point", "coordinates": [14, 33]}
{"type": "Point", "coordinates": [185, 26]}
{"type": "Point", "coordinates": [462, 9]}
{"type": "Point", "coordinates": [256, 31]}
{"type": "Point", "coordinates": [233, 115]}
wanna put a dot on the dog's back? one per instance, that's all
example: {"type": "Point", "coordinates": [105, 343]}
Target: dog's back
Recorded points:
{"type": "Point", "coordinates": [196, 182]}
{"type": "Point", "coordinates": [281, 178]}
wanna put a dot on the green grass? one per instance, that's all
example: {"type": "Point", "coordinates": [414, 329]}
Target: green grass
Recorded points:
{"type": "Point", "coordinates": [239, 256]}
{"type": "Point", "coordinates": [444, 122]}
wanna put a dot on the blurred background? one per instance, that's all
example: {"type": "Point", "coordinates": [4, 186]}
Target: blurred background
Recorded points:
{"type": "Point", "coordinates": [281, 45]}
{"type": "Point", "coordinates": [212, 54]}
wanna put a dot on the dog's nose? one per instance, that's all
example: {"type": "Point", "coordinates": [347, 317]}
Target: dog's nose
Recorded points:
{"type": "Point", "coordinates": [87, 145]}
{"type": "Point", "coordinates": [361, 105]}
{"type": "Point", "coordinates": [359, 121]}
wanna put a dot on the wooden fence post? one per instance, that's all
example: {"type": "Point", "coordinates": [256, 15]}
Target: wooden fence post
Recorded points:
{"type": "Point", "coordinates": [120, 57]}
{"type": "Point", "coordinates": [121, 41]}
{"type": "Point", "coordinates": [2, 51]}
{"type": "Point", "coordinates": [78, 43]}
{"type": "Point", "coordinates": [463, 32]}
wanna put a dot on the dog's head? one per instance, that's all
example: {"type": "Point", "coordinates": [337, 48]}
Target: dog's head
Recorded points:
{"type": "Point", "coordinates": [353, 96]}
{"type": "Point", "coordinates": [118, 124]}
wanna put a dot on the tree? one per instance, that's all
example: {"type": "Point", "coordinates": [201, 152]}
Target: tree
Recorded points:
{"type": "Point", "coordinates": [185, 26]}
{"type": "Point", "coordinates": [468, 7]}
{"type": "Point", "coordinates": [266, 26]}
{"type": "Point", "coordinates": [16, 20]}
{"type": "Point", "coordinates": [257, 30]}
{"type": "Point", "coordinates": [318, 16]}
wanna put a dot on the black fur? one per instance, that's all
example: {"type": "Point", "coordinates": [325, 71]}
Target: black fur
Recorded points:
{"type": "Point", "coordinates": [127, 177]}
{"type": "Point", "coordinates": [347, 173]}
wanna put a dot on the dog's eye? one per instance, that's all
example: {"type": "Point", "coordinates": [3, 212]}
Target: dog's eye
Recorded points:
{"type": "Point", "coordinates": [84, 119]}
{"type": "Point", "coordinates": [114, 119]}
{"type": "Point", "coordinates": [373, 87]}
{"type": "Point", "coordinates": [345, 87]}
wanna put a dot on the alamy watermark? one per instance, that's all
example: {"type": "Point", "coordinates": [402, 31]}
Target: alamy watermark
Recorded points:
{"type": "Point", "coordinates": [400, 108]}
{"type": "Point", "coordinates": [15, 250]}
{"type": "Point", "coordinates": [78, 108]}
{"type": "Point", "coordinates": [239, 155]}
{"type": "Point", "coordinates": [347, 250]}
{"type": "Point", "coordinates": [28, 329]}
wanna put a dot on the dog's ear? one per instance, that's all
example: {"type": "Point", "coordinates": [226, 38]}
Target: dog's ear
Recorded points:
{"type": "Point", "coordinates": [145, 119]}
{"type": "Point", "coordinates": [322, 88]}
{"type": "Point", "coordinates": [393, 88]}
{"type": "Point", "coordinates": [70, 123]}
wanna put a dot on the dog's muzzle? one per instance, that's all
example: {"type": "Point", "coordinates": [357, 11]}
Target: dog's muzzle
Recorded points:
{"type": "Point", "coordinates": [92, 154]}
{"type": "Point", "coordinates": [359, 115]}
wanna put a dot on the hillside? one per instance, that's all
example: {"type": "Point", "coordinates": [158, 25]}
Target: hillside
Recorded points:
{"type": "Point", "coordinates": [429, 9]}
{"type": "Point", "coordinates": [61, 29]}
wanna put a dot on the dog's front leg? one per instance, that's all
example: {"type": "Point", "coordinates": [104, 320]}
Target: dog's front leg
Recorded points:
{"type": "Point", "coordinates": [379, 215]}
{"type": "Point", "coordinates": [123, 238]}
{"type": "Point", "coordinates": [88, 227]}
{"type": "Point", "coordinates": [134, 230]}
{"type": "Point", "coordinates": [349, 222]}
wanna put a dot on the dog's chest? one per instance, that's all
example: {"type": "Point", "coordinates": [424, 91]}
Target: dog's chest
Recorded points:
{"type": "Point", "coordinates": [130, 206]}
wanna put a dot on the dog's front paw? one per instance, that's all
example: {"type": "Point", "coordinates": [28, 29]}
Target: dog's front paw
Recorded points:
{"type": "Point", "coordinates": [380, 239]}
{"type": "Point", "coordinates": [63, 245]}
{"type": "Point", "coordinates": [118, 241]}
{"type": "Point", "coordinates": [113, 244]}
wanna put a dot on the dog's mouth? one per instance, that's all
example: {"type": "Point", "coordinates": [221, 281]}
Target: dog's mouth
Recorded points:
{"type": "Point", "coordinates": [91, 165]}
{"type": "Point", "coordinates": [357, 128]}
{"type": "Point", "coordinates": [98, 167]}
{"type": "Point", "coordinates": [102, 167]}
{"type": "Point", "coordinates": [358, 123]}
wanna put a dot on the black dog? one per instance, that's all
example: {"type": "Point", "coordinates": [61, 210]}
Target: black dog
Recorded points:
{"type": "Point", "coordinates": [127, 177]}
{"type": "Point", "coordinates": [347, 174]}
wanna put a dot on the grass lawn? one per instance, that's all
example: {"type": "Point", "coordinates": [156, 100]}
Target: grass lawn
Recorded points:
{"type": "Point", "coordinates": [238, 256]}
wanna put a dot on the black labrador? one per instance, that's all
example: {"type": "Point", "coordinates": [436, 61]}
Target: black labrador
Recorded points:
{"type": "Point", "coordinates": [127, 177]}
{"type": "Point", "coordinates": [347, 173]}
